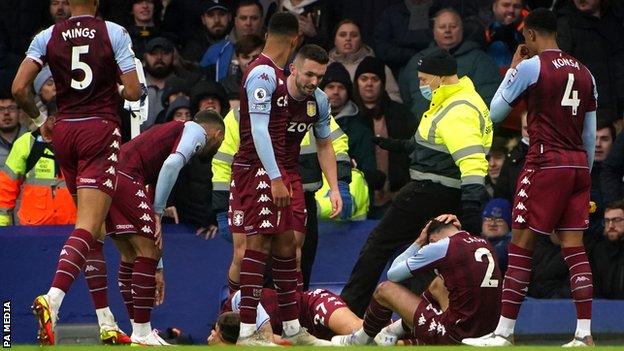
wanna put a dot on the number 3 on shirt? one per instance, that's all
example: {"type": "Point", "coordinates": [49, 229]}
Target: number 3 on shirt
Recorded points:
{"type": "Point", "coordinates": [487, 282]}
{"type": "Point", "coordinates": [570, 97]}
{"type": "Point", "coordinates": [76, 64]}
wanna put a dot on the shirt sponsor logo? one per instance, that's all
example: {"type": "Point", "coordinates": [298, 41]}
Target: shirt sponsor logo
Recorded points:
{"type": "Point", "coordinates": [237, 218]}
{"type": "Point", "coordinates": [87, 180]}
{"type": "Point", "coordinates": [282, 101]}
{"type": "Point", "coordinates": [124, 226]}
{"type": "Point", "coordinates": [294, 127]}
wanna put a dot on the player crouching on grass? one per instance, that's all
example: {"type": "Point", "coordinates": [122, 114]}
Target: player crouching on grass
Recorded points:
{"type": "Point", "coordinates": [470, 275]}
{"type": "Point", "coordinates": [153, 158]}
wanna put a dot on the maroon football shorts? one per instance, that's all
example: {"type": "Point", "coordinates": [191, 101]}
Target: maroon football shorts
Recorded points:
{"type": "Point", "coordinates": [131, 210]}
{"type": "Point", "coordinates": [87, 151]}
{"type": "Point", "coordinates": [431, 326]}
{"type": "Point", "coordinates": [252, 210]}
{"type": "Point", "coordinates": [552, 199]}
{"type": "Point", "coordinates": [315, 309]}
{"type": "Point", "coordinates": [297, 202]}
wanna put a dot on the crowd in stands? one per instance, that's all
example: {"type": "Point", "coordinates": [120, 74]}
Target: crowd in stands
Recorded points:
{"type": "Point", "coordinates": [195, 52]}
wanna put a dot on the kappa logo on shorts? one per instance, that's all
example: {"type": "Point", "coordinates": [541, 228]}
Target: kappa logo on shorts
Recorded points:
{"type": "Point", "coordinates": [112, 157]}
{"type": "Point", "coordinates": [108, 183]}
{"type": "Point", "coordinates": [266, 224]}
{"type": "Point", "coordinates": [116, 132]}
{"type": "Point", "coordinates": [232, 183]}
{"type": "Point", "coordinates": [519, 219]}
{"type": "Point", "coordinates": [237, 218]}
{"type": "Point", "coordinates": [147, 230]}
{"type": "Point", "coordinates": [441, 329]}
{"type": "Point", "coordinates": [265, 211]}
{"type": "Point", "coordinates": [140, 193]}
{"type": "Point", "coordinates": [143, 205]}
{"type": "Point", "coordinates": [90, 268]}
{"type": "Point", "coordinates": [63, 252]}
{"type": "Point", "coordinates": [264, 198]}
{"type": "Point", "coordinates": [115, 145]}
{"type": "Point", "coordinates": [231, 196]}
{"type": "Point", "coordinates": [520, 206]}
{"type": "Point", "coordinates": [422, 320]}
{"type": "Point", "coordinates": [262, 185]}
{"type": "Point", "coordinates": [522, 193]}
{"type": "Point", "coordinates": [525, 181]}
{"type": "Point", "coordinates": [261, 172]}
{"type": "Point", "coordinates": [433, 326]}
{"type": "Point", "coordinates": [111, 170]}
{"type": "Point", "coordinates": [581, 278]}
{"type": "Point", "coordinates": [146, 217]}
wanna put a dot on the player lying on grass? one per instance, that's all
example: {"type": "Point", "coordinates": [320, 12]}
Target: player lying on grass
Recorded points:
{"type": "Point", "coordinates": [470, 274]}
{"type": "Point", "coordinates": [321, 312]}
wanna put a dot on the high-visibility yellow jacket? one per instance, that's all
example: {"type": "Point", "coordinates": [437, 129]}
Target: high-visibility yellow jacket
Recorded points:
{"type": "Point", "coordinates": [453, 138]}
{"type": "Point", "coordinates": [309, 168]}
{"type": "Point", "coordinates": [39, 197]}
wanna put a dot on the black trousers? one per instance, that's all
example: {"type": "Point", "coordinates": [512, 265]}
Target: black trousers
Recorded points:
{"type": "Point", "coordinates": [308, 251]}
{"type": "Point", "coordinates": [413, 206]}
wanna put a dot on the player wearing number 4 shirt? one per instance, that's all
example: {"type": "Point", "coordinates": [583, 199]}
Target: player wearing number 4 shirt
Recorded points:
{"type": "Point", "coordinates": [553, 187]}
{"type": "Point", "coordinates": [87, 56]}
{"type": "Point", "coordinates": [461, 302]}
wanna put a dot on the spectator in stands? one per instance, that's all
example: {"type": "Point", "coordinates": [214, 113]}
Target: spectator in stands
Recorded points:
{"type": "Point", "coordinates": [496, 160]}
{"type": "Point", "coordinates": [59, 10]}
{"type": "Point", "coordinates": [44, 86]}
{"type": "Point", "coordinates": [179, 110]}
{"type": "Point", "coordinates": [247, 49]}
{"type": "Point", "coordinates": [471, 62]}
{"type": "Point", "coordinates": [587, 33]}
{"type": "Point", "coordinates": [10, 126]}
{"type": "Point", "coordinates": [387, 119]}
{"type": "Point", "coordinates": [549, 276]}
{"type": "Point", "coordinates": [612, 172]}
{"type": "Point", "coordinates": [605, 135]}
{"type": "Point", "coordinates": [514, 161]}
{"type": "Point", "coordinates": [144, 24]}
{"type": "Point", "coordinates": [496, 228]}
{"type": "Point", "coordinates": [350, 51]}
{"type": "Point", "coordinates": [247, 21]}
{"type": "Point", "coordinates": [209, 95]}
{"type": "Point", "coordinates": [402, 31]}
{"type": "Point", "coordinates": [315, 19]}
{"type": "Point", "coordinates": [504, 34]}
{"type": "Point", "coordinates": [174, 88]}
{"type": "Point", "coordinates": [216, 18]}
{"type": "Point", "coordinates": [158, 60]}
{"type": "Point", "coordinates": [608, 255]}
{"type": "Point", "coordinates": [32, 190]}
{"type": "Point", "coordinates": [339, 89]}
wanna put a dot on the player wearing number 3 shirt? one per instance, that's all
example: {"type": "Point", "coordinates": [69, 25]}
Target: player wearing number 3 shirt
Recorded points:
{"type": "Point", "coordinates": [552, 191]}
{"type": "Point", "coordinates": [87, 57]}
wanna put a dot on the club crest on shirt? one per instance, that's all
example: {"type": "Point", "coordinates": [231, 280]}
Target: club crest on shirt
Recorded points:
{"type": "Point", "coordinates": [311, 108]}
{"type": "Point", "coordinates": [237, 218]}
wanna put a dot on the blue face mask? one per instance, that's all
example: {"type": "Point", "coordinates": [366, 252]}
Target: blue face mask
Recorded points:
{"type": "Point", "coordinates": [426, 92]}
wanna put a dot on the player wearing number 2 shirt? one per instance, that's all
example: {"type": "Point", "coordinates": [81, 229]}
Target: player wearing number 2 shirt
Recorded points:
{"type": "Point", "coordinates": [87, 56]}
{"type": "Point", "coordinates": [471, 278]}
{"type": "Point", "coordinates": [552, 191]}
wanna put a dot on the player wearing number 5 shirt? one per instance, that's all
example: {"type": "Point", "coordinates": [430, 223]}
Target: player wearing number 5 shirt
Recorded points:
{"type": "Point", "coordinates": [87, 57]}
{"type": "Point", "coordinates": [552, 193]}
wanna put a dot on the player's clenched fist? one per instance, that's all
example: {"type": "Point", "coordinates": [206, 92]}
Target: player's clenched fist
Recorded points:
{"type": "Point", "coordinates": [281, 195]}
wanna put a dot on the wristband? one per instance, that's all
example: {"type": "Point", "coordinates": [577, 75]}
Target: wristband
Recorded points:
{"type": "Point", "coordinates": [40, 120]}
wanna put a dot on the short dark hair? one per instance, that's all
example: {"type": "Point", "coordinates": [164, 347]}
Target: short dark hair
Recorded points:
{"type": "Point", "coordinates": [247, 44]}
{"type": "Point", "coordinates": [249, 3]}
{"type": "Point", "coordinates": [541, 20]}
{"type": "Point", "coordinates": [229, 326]}
{"type": "Point", "coordinates": [52, 107]}
{"type": "Point", "coordinates": [210, 117]}
{"type": "Point", "coordinates": [436, 226]}
{"type": "Point", "coordinates": [313, 52]}
{"type": "Point", "coordinates": [283, 23]}
{"type": "Point", "coordinates": [603, 123]}
{"type": "Point", "coordinates": [615, 205]}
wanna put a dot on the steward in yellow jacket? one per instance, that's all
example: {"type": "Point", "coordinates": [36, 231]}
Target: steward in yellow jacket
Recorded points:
{"type": "Point", "coordinates": [32, 189]}
{"type": "Point", "coordinates": [447, 169]}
